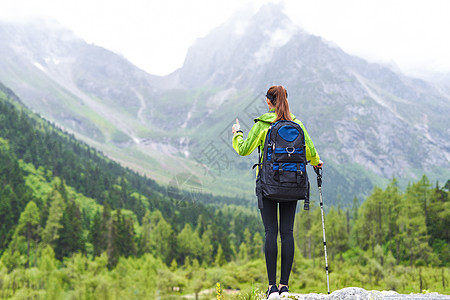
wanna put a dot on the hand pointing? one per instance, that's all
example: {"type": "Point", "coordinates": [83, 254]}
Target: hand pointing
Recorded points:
{"type": "Point", "coordinates": [235, 127]}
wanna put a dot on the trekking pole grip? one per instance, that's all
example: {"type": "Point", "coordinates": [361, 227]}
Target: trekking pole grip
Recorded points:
{"type": "Point", "coordinates": [319, 172]}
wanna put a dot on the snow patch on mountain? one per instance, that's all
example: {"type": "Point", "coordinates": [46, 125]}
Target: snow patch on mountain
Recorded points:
{"type": "Point", "coordinates": [55, 61]}
{"type": "Point", "coordinates": [40, 67]}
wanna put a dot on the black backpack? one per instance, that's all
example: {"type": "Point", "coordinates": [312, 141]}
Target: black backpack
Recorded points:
{"type": "Point", "coordinates": [282, 173]}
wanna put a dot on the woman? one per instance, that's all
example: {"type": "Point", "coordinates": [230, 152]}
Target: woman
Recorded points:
{"type": "Point", "coordinates": [277, 102]}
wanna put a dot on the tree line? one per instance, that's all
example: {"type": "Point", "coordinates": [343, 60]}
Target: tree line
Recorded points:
{"type": "Point", "coordinates": [118, 255]}
{"type": "Point", "coordinates": [30, 143]}
{"type": "Point", "coordinates": [408, 226]}
{"type": "Point", "coordinates": [65, 207]}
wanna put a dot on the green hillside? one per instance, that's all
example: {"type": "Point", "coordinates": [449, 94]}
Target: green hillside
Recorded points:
{"type": "Point", "coordinates": [44, 165]}
{"type": "Point", "coordinates": [76, 225]}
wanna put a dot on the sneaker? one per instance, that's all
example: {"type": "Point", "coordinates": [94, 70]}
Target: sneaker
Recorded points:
{"type": "Point", "coordinates": [273, 293]}
{"type": "Point", "coordinates": [284, 292]}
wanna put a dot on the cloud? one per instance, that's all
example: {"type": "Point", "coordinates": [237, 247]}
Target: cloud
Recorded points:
{"type": "Point", "coordinates": [411, 33]}
{"type": "Point", "coordinates": [155, 35]}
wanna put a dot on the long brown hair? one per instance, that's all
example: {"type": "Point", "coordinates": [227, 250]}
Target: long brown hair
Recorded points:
{"type": "Point", "coordinates": [278, 97]}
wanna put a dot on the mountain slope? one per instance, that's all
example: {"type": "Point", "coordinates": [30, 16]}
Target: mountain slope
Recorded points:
{"type": "Point", "coordinates": [368, 122]}
{"type": "Point", "coordinates": [89, 91]}
{"type": "Point", "coordinates": [39, 161]}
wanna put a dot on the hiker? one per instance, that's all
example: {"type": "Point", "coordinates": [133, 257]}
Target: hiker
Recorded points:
{"type": "Point", "coordinates": [276, 99]}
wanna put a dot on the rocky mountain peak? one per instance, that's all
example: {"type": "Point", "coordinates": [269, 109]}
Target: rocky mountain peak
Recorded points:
{"type": "Point", "coordinates": [237, 48]}
{"type": "Point", "coordinates": [358, 114]}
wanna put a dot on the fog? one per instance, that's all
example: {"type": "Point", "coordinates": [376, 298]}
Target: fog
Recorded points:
{"type": "Point", "coordinates": [155, 35]}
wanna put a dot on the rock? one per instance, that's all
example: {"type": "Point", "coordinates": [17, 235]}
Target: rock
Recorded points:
{"type": "Point", "coordinates": [347, 293]}
{"type": "Point", "coordinates": [355, 293]}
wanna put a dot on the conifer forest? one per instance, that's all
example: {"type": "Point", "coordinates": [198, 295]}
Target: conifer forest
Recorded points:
{"type": "Point", "coordinates": [77, 225]}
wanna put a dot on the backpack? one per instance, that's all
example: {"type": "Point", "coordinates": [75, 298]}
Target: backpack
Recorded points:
{"type": "Point", "coordinates": [282, 173]}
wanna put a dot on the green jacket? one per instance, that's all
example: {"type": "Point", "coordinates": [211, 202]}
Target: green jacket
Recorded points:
{"type": "Point", "coordinates": [257, 136]}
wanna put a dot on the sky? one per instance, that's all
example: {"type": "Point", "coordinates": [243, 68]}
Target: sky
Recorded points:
{"type": "Point", "coordinates": [156, 34]}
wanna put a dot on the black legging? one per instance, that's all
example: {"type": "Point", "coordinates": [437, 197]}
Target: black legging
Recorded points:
{"type": "Point", "coordinates": [270, 220]}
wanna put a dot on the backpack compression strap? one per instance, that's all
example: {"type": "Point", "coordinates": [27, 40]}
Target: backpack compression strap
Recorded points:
{"type": "Point", "coordinates": [258, 182]}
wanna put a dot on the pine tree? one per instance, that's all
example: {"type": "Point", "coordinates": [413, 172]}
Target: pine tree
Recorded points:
{"type": "Point", "coordinates": [188, 243]}
{"type": "Point", "coordinates": [201, 225]}
{"type": "Point", "coordinates": [28, 226]}
{"type": "Point", "coordinates": [438, 218]}
{"type": "Point", "coordinates": [257, 246]}
{"type": "Point", "coordinates": [248, 242]}
{"type": "Point", "coordinates": [104, 228]}
{"type": "Point", "coordinates": [112, 249]}
{"type": "Point", "coordinates": [302, 226]}
{"type": "Point", "coordinates": [6, 215]}
{"type": "Point", "coordinates": [162, 237]}
{"type": "Point", "coordinates": [14, 194]}
{"type": "Point", "coordinates": [392, 211]}
{"type": "Point", "coordinates": [145, 237]}
{"type": "Point", "coordinates": [57, 207]}
{"type": "Point", "coordinates": [96, 236]}
{"type": "Point", "coordinates": [354, 240]}
{"type": "Point", "coordinates": [412, 225]}
{"type": "Point", "coordinates": [220, 257]}
{"type": "Point", "coordinates": [207, 249]}
{"type": "Point", "coordinates": [370, 224]}
{"type": "Point", "coordinates": [308, 232]}
{"type": "Point", "coordinates": [243, 252]}
{"type": "Point", "coordinates": [70, 235]}
{"type": "Point", "coordinates": [336, 230]}
{"type": "Point", "coordinates": [125, 235]}
{"type": "Point", "coordinates": [52, 282]}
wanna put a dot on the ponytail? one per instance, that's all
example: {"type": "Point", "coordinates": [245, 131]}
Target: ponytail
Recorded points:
{"type": "Point", "coordinates": [278, 97]}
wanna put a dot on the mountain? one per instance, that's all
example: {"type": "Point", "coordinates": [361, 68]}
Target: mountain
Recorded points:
{"type": "Point", "coordinates": [369, 123]}
{"type": "Point", "coordinates": [369, 108]}
{"type": "Point", "coordinates": [49, 63]}
{"type": "Point", "coordinates": [38, 162]}
{"type": "Point", "coordinates": [87, 90]}
{"type": "Point", "coordinates": [81, 224]}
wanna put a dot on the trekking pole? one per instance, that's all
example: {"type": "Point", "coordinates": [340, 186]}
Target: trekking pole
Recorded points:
{"type": "Point", "coordinates": [319, 184]}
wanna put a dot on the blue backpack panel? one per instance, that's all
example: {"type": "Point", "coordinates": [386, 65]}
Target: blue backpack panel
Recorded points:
{"type": "Point", "coordinates": [282, 173]}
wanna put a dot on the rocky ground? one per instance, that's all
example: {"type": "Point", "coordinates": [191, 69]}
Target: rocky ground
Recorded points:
{"type": "Point", "coordinates": [361, 294]}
